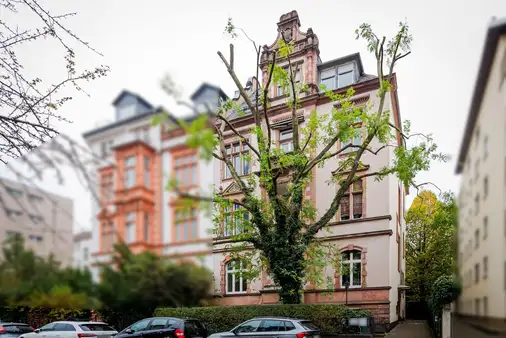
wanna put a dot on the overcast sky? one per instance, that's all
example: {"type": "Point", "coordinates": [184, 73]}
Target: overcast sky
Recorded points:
{"type": "Point", "coordinates": [141, 41]}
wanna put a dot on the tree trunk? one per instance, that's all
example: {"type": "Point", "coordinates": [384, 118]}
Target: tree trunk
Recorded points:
{"type": "Point", "coordinates": [288, 270]}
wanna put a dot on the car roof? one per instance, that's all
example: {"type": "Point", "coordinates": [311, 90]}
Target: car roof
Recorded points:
{"type": "Point", "coordinates": [9, 323]}
{"type": "Point", "coordinates": [77, 322]}
{"type": "Point", "coordinates": [278, 317]}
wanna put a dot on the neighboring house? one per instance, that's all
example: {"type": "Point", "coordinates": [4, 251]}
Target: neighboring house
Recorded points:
{"type": "Point", "coordinates": [82, 247]}
{"type": "Point", "coordinates": [369, 226]}
{"type": "Point", "coordinates": [139, 160]}
{"type": "Point", "coordinates": [482, 197]}
{"type": "Point", "coordinates": [45, 220]}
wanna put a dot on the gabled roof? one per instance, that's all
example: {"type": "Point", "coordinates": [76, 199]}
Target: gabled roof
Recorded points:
{"type": "Point", "coordinates": [113, 125]}
{"type": "Point", "coordinates": [204, 86]}
{"type": "Point", "coordinates": [495, 29]}
{"type": "Point", "coordinates": [139, 98]}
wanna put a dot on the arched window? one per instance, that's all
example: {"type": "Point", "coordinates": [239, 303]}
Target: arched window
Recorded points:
{"type": "Point", "coordinates": [351, 268]}
{"type": "Point", "coordinates": [236, 283]}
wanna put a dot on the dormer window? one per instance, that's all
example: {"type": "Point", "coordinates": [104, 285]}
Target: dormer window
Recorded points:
{"type": "Point", "coordinates": [338, 77]}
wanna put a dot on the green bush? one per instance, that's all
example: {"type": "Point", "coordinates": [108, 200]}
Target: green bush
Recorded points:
{"type": "Point", "coordinates": [445, 290]}
{"type": "Point", "coordinates": [224, 318]}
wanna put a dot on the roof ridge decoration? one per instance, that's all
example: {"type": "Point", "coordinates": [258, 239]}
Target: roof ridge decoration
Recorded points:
{"type": "Point", "coordinates": [289, 25]}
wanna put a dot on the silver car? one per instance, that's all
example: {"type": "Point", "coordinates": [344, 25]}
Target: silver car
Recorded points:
{"type": "Point", "coordinates": [272, 327]}
{"type": "Point", "coordinates": [69, 329]}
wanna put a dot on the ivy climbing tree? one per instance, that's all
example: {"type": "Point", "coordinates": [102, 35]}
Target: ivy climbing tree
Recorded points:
{"type": "Point", "coordinates": [281, 231]}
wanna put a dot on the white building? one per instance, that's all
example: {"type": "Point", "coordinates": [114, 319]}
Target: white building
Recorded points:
{"type": "Point", "coordinates": [482, 198]}
{"type": "Point", "coordinates": [82, 247]}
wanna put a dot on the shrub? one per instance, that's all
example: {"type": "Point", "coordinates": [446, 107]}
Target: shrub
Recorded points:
{"type": "Point", "coordinates": [445, 290]}
{"type": "Point", "coordinates": [224, 318]}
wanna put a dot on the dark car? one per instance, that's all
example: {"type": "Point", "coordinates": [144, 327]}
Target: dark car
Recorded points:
{"type": "Point", "coordinates": [272, 327]}
{"type": "Point", "coordinates": [11, 330]}
{"type": "Point", "coordinates": [164, 327]}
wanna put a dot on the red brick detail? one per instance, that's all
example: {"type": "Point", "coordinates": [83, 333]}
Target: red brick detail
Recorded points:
{"type": "Point", "coordinates": [374, 300]}
{"type": "Point", "coordinates": [223, 275]}
{"type": "Point", "coordinates": [337, 274]}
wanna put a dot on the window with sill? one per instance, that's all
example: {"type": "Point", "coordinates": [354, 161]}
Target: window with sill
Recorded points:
{"type": "Point", "coordinates": [476, 273]}
{"type": "Point", "coordinates": [107, 187]}
{"type": "Point", "coordinates": [236, 218]}
{"type": "Point", "coordinates": [130, 228]}
{"type": "Point", "coordinates": [146, 227]}
{"type": "Point", "coordinates": [185, 222]}
{"type": "Point", "coordinates": [338, 77]}
{"type": "Point", "coordinates": [351, 268]}
{"type": "Point", "coordinates": [477, 238]}
{"type": "Point", "coordinates": [107, 236]}
{"type": "Point", "coordinates": [485, 187]}
{"type": "Point", "coordinates": [236, 282]}
{"type": "Point", "coordinates": [354, 142]}
{"type": "Point", "coordinates": [14, 192]}
{"type": "Point", "coordinates": [185, 170]}
{"type": "Point", "coordinates": [237, 153]}
{"type": "Point", "coordinates": [280, 90]}
{"type": "Point", "coordinates": [485, 267]}
{"type": "Point", "coordinates": [286, 140]}
{"type": "Point", "coordinates": [485, 227]}
{"type": "Point", "coordinates": [351, 205]}
{"type": "Point", "coordinates": [129, 172]}
{"type": "Point", "coordinates": [147, 171]}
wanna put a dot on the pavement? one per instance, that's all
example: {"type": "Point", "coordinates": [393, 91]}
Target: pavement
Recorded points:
{"type": "Point", "coordinates": [411, 329]}
{"type": "Point", "coordinates": [466, 328]}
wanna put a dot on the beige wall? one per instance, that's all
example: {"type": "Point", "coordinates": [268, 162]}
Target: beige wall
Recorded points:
{"type": "Point", "coordinates": [491, 123]}
{"type": "Point", "coordinates": [45, 221]}
{"type": "Point", "coordinates": [381, 201]}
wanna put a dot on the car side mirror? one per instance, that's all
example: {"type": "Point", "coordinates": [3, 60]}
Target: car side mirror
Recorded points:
{"type": "Point", "coordinates": [36, 331]}
{"type": "Point", "coordinates": [236, 332]}
{"type": "Point", "coordinates": [129, 331]}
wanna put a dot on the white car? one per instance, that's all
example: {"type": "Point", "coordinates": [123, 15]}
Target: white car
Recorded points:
{"type": "Point", "coordinates": [72, 330]}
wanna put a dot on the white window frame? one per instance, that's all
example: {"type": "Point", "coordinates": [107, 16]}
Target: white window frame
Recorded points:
{"type": "Point", "coordinates": [328, 77]}
{"type": "Point", "coordinates": [233, 220]}
{"type": "Point", "coordinates": [350, 261]}
{"type": "Point", "coordinates": [283, 140]}
{"type": "Point", "coordinates": [343, 70]}
{"type": "Point", "coordinates": [230, 268]}
{"type": "Point", "coordinates": [232, 155]}
{"type": "Point", "coordinates": [130, 172]}
{"type": "Point", "coordinates": [130, 224]}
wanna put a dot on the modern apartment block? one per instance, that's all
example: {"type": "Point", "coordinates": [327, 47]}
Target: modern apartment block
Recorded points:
{"type": "Point", "coordinates": [138, 161]}
{"type": "Point", "coordinates": [369, 226]}
{"type": "Point", "coordinates": [482, 197]}
{"type": "Point", "coordinates": [82, 246]}
{"type": "Point", "coordinates": [43, 219]}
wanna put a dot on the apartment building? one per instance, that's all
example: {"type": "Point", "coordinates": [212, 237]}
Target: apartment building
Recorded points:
{"type": "Point", "coordinates": [43, 219]}
{"type": "Point", "coordinates": [138, 161]}
{"type": "Point", "coordinates": [82, 246]}
{"type": "Point", "coordinates": [482, 197]}
{"type": "Point", "coordinates": [369, 226]}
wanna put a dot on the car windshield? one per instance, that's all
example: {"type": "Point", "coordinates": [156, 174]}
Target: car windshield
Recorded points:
{"type": "Point", "coordinates": [16, 328]}
{"type": "Point", "coordinates": [309, 325]}
{"type": "Point", "coordinates": [96, 327]}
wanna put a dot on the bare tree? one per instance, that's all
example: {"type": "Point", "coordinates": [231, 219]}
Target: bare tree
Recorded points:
{"type": "Point", "coordinates": [28, 107]}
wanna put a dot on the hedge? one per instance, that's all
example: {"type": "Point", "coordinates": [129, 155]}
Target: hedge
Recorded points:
{"type": "Point", "coordinates": [38, 317]}
{"type": "Point", "coordinates": [329, 318]}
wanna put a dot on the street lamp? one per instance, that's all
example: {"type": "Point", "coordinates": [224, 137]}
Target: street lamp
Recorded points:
{"type": "Point", "coordinates": [346, 287]}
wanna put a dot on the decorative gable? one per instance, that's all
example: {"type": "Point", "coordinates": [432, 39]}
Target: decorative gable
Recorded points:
{"type": "Point", "coordinates": [305, 49]}
{"type": "Point", "coordinates": [233, 188]}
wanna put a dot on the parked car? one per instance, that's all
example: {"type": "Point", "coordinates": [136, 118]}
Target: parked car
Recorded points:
{"type": "Point", "coordinates": [14, 330]}
{"type": "Point", "coordinates": [68, 329]}
{"type": "Point", "coordinates": [273, 327]}
{"type": "Point", "coordinates": [165, 327]}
